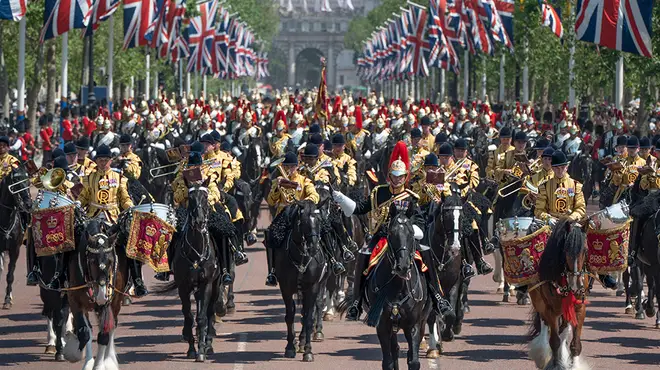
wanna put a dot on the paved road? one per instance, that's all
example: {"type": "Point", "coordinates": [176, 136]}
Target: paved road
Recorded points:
{"type": "Point", "coordinates": [254, 337]}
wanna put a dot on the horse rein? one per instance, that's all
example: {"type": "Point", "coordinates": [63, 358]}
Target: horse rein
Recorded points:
{"type": "Point", "coordinates": [112, 272]}
{"type": "Point", "coordinates": [305, 252]}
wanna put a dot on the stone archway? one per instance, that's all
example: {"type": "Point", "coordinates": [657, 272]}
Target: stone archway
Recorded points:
{"type": "Point", "coordinates": [308, 68]}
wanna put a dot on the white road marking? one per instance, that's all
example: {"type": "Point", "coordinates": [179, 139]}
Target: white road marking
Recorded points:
{"type": "Point", "coordinates": [433, 364]}
{"type": "Point", "coordinates": [242, 345]}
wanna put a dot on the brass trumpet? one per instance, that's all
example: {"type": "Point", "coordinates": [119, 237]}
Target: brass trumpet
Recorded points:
{"type": "Point", "coordinates": [153, 171]}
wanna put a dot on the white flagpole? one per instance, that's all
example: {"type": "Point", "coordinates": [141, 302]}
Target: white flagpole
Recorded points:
{"type": "Point", "coordinates": [197, 84]}
{"type": "Point", "coordinates": [187, 83]}
{"type": "Point", "coordinates": [132, 91]}
{"type": "Point", "coordinates": [154, 89]}
{"type": "Point", "coordinates": [441, 88]}
{"type": "Point", "coordinates": [180, 77]}
{"type": "Point", "coordinates": [466, 75]}
{"type": "Point", "coordinates": [21, 68]}
{"type": "Point", "coordinates": [502, 64]}
{"type": "Point", "coordinates": [571, 76]}
{"type": "Point", "coordinates": [204, 85]}
{"type": "Point", "coordinates": [147, 65]}
{"type": "Point", "coordinates": [525, 77]}
{"type": "Point", "coordinates": [111, 48]}
{"type": "Point", "coordinates": [619, 83]}
{"type": "Point", "coordinates": [484, 80]}
{"type": "Point", "coordinates": [65, 68]}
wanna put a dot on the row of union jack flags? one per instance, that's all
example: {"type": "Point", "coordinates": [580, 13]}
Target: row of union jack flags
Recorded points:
{"type": "Point", "coordinates": [214, 42]}
{"type": "Point", "coordinates": [423, 37]}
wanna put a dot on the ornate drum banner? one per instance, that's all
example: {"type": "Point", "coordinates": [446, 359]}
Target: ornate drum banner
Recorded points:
{"type": "Point", "coordinates": [608, 249]}
{"type": "Point", "coordinates": [148, 240]}
{"type": "Point", "coordinates": [53, 230]}
{"type": "Point", "coordinates": [522, 256]}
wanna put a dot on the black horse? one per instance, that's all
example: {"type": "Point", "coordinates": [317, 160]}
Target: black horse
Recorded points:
{"type": "Point", "coordinates": [195, 270]}
{"type": "Point", "coordinates": [647, 264]}
{"type": "Point", "coordinates": [300, 266]}
{"type": "Point", "coordinates": [12, 208]}
{"type": "Point", "coordinates": [580, 169]}
{"type": "Point", "coordinates": [396, 293]}
{"type": "Point", "coordinates": [157, 185]}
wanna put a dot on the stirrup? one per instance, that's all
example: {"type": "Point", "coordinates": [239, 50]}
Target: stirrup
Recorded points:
{"type": "Point", "coordinates": [226, 277]}
{"type": "Point", "coordinates": [54, 283]}
{"type": "Point", "coordinates": [162, 276]}
{"type": "Point", "coordinates": [442, 305]}
{"type": "Point", "coordinates": [348, 256]}
{"type": "Point", "coordinates": [354, 311]}
{"type": "Point", "coordinates": [140, 289]}
{"type": "Point", "coordinates": [271, 279]}
{"type": "Point", "coordinates": [240, 258]}
{"type": "Point", "coordinates": [338, 268]}
{"type": "Point", "coordinates": [33, 278]}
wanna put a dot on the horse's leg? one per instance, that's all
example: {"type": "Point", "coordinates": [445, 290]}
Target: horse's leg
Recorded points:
{"type": "Point", "coordinates": [188, 320]}
{"type": "Point", "coordinates": [448, 332]}
{"type": "Point", "coordinates": [649, 306]}
{"type": "Point", "coordinates": [628, 281]}
{"type": "Point", "coordinates": [384, 331]}
{"type": "Point", "coordinates": [203, 298]}
{"type": "Point", "coordinates": [394, 345]}
{"type": "Point", "coordinates": [638, 280]}
{"type": "Point", "coordinates": [59, 318]}
{"type": "Point", "coordinates": [310, 297]}
{"type": "Point", "coordinates": [464, 298]}
{"type": "Point", "coordinates": [412, 336]}
{"type": "Point", "coordinates": [14, 253]}
{"type": "Point", "coordinates": [289, 317]}
{"type": "Point", "coordinates": [459, 310]}
{"type": "Point", "coordinates": [318, 311]}
{"type": "Point", "coordinates": [557, 345]}
{"type": "Point", "coordinates": [498, 276]}
{"type": "Point", "coordinates": [103, 338]}
{"type": "Point", "coordinates": [576, 344]}
{"type": "Point", "coordinates": [52, 337]}
{"type": "Point", "coordinates": [87, 327]}
{"type": "Point", "coordinates": [210, 316]}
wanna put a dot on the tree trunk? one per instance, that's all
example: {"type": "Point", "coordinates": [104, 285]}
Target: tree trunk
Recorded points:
{"type": "Point", "coordinates": [545, 90]}
{"type": "Point", "coordinates": [85, 69]}
{"type": "Point", "coordinates": [532, 89]}
{"type": "Point", "coordinates": [644, 98]}
{"type": "Point", "coordinates": [33, 90]}
{"type": "Point", "coordinates": [51, 76]}
{"type": "Point", "coordinates": [4, 78]}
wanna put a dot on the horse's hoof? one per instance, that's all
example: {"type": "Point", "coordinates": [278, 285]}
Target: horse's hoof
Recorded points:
{"type": "Point", "coordinates": [458, 328]}
{"type": "Point", "coordinates": [432, 353]}
{"type": "Point", "coordinates": [209, 350]}
{"type": "Point", "coordinates": [300, 349]}
{"type": "Point", "coordinates": [6, 306]}
{"type": "Point", "coordinates": [423, 346]}
{"type": "Point", "coordinates": [191, 355]}
{"type": "Point", "coordinates": [126, 302]}
{"type": "Point", "coordinates": [308, 357]}
{"type": "Point", "coordinates": [59, 356]}
{"type": "Point", "coordinates": [328, 317]}
{"type": "Point", "coordinates": [231, 310]}
{"type": "Point", "coordinates": [620, 293]}
{"type": "Point", "coordinates": [290, 353]}
{"type": "Point", "coordinates": [650, 311]}
{"type": "Point", "coordinates": [466, 309]}
{"type": "Point", "coordinates": [447, 337]}
{"type": "Point", "coordinates": [200, 358]}
{"type": "Point", "coordinates": [640, 315]}
{"type": "Point", "coordinates": [50, 350]}
{"type": "Point", "coordinates": [318, 337]}
{"type": "Point", "coordinates": [629, 309]}
{"type": "Point", "coordinates": [505, 298]}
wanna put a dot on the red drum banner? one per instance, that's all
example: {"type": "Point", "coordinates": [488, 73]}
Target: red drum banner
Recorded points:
{"type": "Point", "coordinates": [522, 256]}
{"type": "Point", "coordinates": [608, 249]}
{"type": "Point", "coordinates": [53, 230]}
{"type": "Point", "coordinates": [148, 240]}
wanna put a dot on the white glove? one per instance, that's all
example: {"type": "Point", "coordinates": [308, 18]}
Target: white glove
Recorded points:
{"type": "Point", "coordinates": [346, 204]}
{"type": "Point", "coordinates": [160, 146]}
{"type": "Point", "coordinates": [552, 221]}
{"type": "Point", "coordinates": [237, 152]}
{"type": "Point", "coordinates": [302, 147]}
{"type": "Point", "coordinates": [367, 155]}
{"type": "Point", "coordinates": [115, 151]}
{"type": "Point", "coordinates": [269, 135]}
{"type": "Point", "coordinates": [419, 234]}
{"type": "Point", "coordinates": [266, 161]}
{"type": "Point", "coordinates": [252, 131]}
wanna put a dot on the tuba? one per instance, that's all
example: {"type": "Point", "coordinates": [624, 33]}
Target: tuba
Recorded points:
{"type": "Point", "coordinates": [52, 179]}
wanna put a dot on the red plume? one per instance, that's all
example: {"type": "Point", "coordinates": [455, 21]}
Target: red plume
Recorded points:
{"type": "Point", "coordinates": [462, 105]}
{"type": "Point", "coordinates": [400, 151]}
{"type": "Point", "coordinates": [358, 117]}
{"type": "Point", "coordinates": [518, 107]}
{"type": "Point", "coordinates": [422, 104]}
{"type": "Point", "coordinates": [279, 116]}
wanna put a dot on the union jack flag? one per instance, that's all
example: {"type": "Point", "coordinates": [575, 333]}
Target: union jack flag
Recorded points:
{"type": "Point", "coordinates": [441, 51]}
{"type": "Point", "coordinates": [139, 16]}
{"type": "Point", "coordinates": [551, 18]}
{"type": "Point", "coordinates": [101, 10]}
{"type": "Point", "coordinates": [179, 48]}
{"type": "Point", "coordinates": [491, 19]}
{"type": "Point", "coordinates": [616, 24]}
{"type": "Point", "coordinates": [61, 16]}
{"type": "Point", "coordinates": [477, 31]}
{"type": "Point", "coordinates": [222, 44]}
{"type": "Point", "coordinates": [505, 9]}
{"type": "Point", "coordinates": [234, 24]}
{"type": "Point", "coordinates": [325, 6]}
{"type": "Point", "coordinates": [201, 35]}
{"type": "Point", "coordinates": [262, 66]}
{"type": "Point", "coordinates": [174, 18]}
{"type": "Point", "coordinates": [12, 10]}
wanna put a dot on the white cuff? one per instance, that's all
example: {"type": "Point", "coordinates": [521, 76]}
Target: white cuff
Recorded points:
{"type": "Point", "coordinates": [346, 204]}
{"type": "Point", "coordinates": [367, 155]}
{"type": "Point", "coordinates": [419, 234]}
{"type": "Point", "coordinates": [160, 146]}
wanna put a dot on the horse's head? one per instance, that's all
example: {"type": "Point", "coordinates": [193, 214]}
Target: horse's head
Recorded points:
{"type": "Point", "coordinates": [307, 225]}
{"type": "Point", "coordinates": [400, 238]}
{"type": "Point", "coordinates": [101, 260]}
{"type": "Point", "coordinates": [564, 257]}
{"type": "Point", "coordinates": [450, 214]}
{"type": "Point", "coordinates": [198, 204]}
{"type": "Point", "coordinates": [575, 251]}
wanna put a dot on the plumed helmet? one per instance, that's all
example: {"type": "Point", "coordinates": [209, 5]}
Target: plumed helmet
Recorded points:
{"type": "Point", "coordinates": [399, 161]}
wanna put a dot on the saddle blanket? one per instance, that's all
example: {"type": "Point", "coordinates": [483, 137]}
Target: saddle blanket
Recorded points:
{"type": "Point", "coordinates": [379, 252]}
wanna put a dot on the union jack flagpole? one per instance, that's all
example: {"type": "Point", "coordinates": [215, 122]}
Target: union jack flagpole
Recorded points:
{"type": "Point", "coordinates": [111, 45]}
{"type": "Point", "coordinates": [65, 69]}
{"type": "Point", "coordinates": [571, 59]}
{"type": "Point", "coordinates": [21, 68]}
{"type": "Point", "coordinates": [147, 66]}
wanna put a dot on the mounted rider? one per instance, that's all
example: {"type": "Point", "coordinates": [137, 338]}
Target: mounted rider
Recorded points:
{"type": "Point", "coordinates": [130, 163]}
{"type": "Point", "coordinates": [427, 137]}
{"type": "Point", "coordinates": [288, 187]}
{"type": "Point", "coordinates": [8, 162]}
{"type": "Point", "coordinates": [104, 195]}
{"type": "Point", "coordinates": [625, 178]}
{"type": "Point", "coordinates": [84, 166]}
{"type": "Point", "coordinates": [280, 141]}
{"type": "Point", "coordinates": [343, 162]}
{"type": "Point", "coordinates": [379, 203]}
{"type": "Point", "coordinates": [418, 150]}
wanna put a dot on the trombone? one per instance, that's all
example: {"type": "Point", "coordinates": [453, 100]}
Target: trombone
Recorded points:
{"type": "Point", "coordinates": [153, 171]}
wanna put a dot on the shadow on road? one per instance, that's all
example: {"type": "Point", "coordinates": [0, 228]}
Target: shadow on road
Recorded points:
{"type": "Point", "coordinates": [637, 358]}
{"type": "Point", "coordinates": [487, 355]}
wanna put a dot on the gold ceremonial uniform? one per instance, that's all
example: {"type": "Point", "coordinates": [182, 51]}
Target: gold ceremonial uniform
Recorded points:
{"type": "Point", "coordinates": [628, 175]}
{"type": "Point", "coordinates": [428, 141]}
{"type": "Point", "coordinates": [467, 173]}
{"type": "Point", "coordinates": [133, 167]}
{"type": "Point", "coordinates": [278, 145]}
{"type": "Point", "coordinates": [180, 188]}
{"type": "Point", "coordinates": [282, 197]}
{"type": "Point", "coordinates": [85, 168]}
{"type": "Point", "coordinates": [227, 173]}
{"type": "Point", "coordinates": [428, 192]}
{"type": "Point", "coordinates": [560, 198]}
{"type": "Point", "coordinates": [7, 164]}
{"type": "Point", "coordinates": [501, 159]}
{"type": "Point", "coordinates": [418, 156]}
{"type": "Point", "coordinates": [351, 173]}
{"type": "Point", "coordinates": [105, 192]}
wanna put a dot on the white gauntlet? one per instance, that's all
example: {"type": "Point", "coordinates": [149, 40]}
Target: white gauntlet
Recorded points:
{"type": "Point", "coordinates": [346, 204]}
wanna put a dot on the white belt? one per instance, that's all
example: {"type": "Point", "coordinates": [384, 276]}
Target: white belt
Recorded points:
{"type": "Point", "coordinates": [108, 206]}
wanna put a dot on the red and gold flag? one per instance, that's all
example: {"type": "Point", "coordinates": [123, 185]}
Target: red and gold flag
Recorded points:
{"type": "Point", "coordinates": [321, 103]}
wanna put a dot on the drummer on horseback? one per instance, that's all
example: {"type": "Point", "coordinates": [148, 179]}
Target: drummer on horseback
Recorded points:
{"type": "Point", "coordinates": [104, 195]}
{"type": "Point", "coordinates": [625, 178]}
{"type": "Point", "coordinates": [288, 187]}
{"type": "Point", "coordinates": [130, 163]}
{"type": "Point", "coordinates": [379, 202]}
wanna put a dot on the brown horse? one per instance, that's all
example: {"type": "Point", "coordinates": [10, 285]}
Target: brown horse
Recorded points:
{"type": "Point", "coordinates": [98, 274]}
{"type": "Point", "coordinates": [559, 300]}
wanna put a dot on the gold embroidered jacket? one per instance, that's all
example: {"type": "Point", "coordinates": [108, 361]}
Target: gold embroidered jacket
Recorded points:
{"type": "Point", "coordinates": [282, 197]}
{"type": "Point", "coordinates": [341, 161]}
{"type": "Point", "coordinates": [105, 192]}
{"type": "Point", "coordinates": [560, 198]}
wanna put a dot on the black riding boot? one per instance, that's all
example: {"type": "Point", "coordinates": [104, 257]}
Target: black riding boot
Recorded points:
{"type": "Point", "coordinates": [32, 262]}
{"type": "Point", "coordinates": [271, 279]}
{"type": "Point", "coordinates": [634, 236]}
{"type": "Point", "coordinates": [138, 283]}
{"type": "Point", "coordinates": [225, 261]}
{"type": "Point", "coordinates": [474, 243]}
{"type": "Point", "coordinates": [55, 282]}
{"type": "Point", "coordinates": [440, 304]}
{"type": "Point", "coordinates": [330, 248]}
{"type": "Point", "coordinates": [355, 309]}
{"type": "Point", "coordinates": [240, 257]}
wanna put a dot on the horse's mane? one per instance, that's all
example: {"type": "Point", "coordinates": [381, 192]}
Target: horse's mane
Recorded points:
{"type": "Point", "coordinates": [565, 239]}
{"type": "Point", "coordinates": [647, 207]}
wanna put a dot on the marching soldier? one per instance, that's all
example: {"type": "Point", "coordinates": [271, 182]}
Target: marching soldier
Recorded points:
{"type": "Point", "coordinates": [104, 195]}
{"type": "Point", "coordinates": [342, 161]}
{"type": "Point", "coordinates": [281, 196]}
{"type": "Point", "coordinates": [379, 202]}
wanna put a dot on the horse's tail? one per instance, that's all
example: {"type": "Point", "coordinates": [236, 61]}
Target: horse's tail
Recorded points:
{"type": "Point", "coordinates": [165, 288]}
{"type": "Point", "coordinates": [534, 327]}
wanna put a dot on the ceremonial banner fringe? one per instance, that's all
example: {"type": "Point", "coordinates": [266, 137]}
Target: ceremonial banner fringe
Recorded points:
{"type": "Point", "coordinates": [53, 230]}
{"type": "Point", "coordinates": [608, 249]}
{"type": "Point", "coordinates": [148, 240]}
{"type": "Point", "coordinates": [522, 256]}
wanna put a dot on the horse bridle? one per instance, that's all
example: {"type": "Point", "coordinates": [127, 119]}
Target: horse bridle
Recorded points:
{"type": "Point", "coordinates": [565, 289]}
{"type": "Point", "coordinates": [112, 272]}
{"type": "Point", "coordinates": [390, 251]}
{"type": "Point", "coordinates": [305, 252]}
{"type": "Point", "coordinates": [206, 251]}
